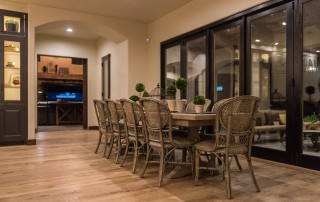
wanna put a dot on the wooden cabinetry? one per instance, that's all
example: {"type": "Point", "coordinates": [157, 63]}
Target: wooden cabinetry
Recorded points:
{"type": "Point", "coordinates": [13, 77]}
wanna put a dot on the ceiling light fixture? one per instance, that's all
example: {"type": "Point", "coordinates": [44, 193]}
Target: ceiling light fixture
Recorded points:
{"type": "Point", "coordinates": [276, 43]}
{"type": "Point", "coordinates": [69, 30]}
{"type": "Point", "coordinates": [318, 51]}
{"type": "Point", "coordinates": [284, 23]}
{"type": "Point", "coordinates": [257, 40]}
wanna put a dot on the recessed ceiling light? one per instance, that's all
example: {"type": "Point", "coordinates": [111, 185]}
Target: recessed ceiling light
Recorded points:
{"type": "Point", "coordinates": [257, 40]}
{"type": "Point", "coordinates": [318, 51]}
{"type": "Point", "coordinates": [284, 23]}
{"type": "Point", "coordinates": [69, 30]}
{"type": "Point", "coordinates": [276, 43]}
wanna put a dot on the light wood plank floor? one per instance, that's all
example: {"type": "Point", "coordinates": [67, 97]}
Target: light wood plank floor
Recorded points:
{"type": "Point", "coordinates": [63, 167]}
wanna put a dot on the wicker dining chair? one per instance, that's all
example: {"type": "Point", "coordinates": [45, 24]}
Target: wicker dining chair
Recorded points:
{"type": "Point", "coordinates": [103, 124]}
{"type": "Point", "coordinates": [117, 127]}
{"type": "Point", "coordinates": [133, 124]}
{"type": "Point", "coordinates": [234, 129]}
{"type": "Point", "coordinates": [159, 136]}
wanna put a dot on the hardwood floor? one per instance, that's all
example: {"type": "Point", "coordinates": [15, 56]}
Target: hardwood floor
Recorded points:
{"type": "Point", "coordinates": [63, 167]}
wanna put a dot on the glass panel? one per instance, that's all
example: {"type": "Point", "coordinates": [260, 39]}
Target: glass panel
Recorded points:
{"type": "Point", "coordinates": [226, 63]}
{"type": "Point", "coordinates": [11, 70]}
{"type": "Point", "coordinates": [173, 65]}
{"type": "Point", "coordinates": [311, 78]}
{"type": "Point", "coordinates": [196, 67]}
{"type": "Point", "coordinates": [268, 78]}
{"type": "Point", "coordinates": [11, 24]}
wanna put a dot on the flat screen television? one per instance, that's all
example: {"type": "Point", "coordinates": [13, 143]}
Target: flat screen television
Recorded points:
{"type": "Point", "coordinates": [57, 92]}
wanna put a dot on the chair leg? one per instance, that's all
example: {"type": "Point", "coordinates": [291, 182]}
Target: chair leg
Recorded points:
{"type": "Point", "coordinates": [146, 161]}
{"type": "Point", "coordinates": [161, 168]}
{"type": "Point", "coordinates": [197, 162]}
{"type": "Point", "coordinates": [119, 149]}
{"type": "Point", "coordinates": [238, 163]}
{"type": "Point", "coordinates": [111, 146]}
{"type": "Point", "coordinates": [135, 157]}
{"type": "Point", "coordinates": [252, 174]}
{"type": "Point", "coordinates": [99, 142]}
{"type": "Point", "coordinates": [125, 153]}
{"type": "Point", "coordinates": [105, 145]}
{"type": "Point", "coordinates": [227, 177]}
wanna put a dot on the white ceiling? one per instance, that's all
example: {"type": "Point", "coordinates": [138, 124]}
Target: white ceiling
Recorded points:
{"type": "Point", "coordinates": [143, 11]}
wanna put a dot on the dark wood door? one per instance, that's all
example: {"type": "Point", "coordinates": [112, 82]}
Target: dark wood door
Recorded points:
{"type": "Point", "coordinates": [12, 123]}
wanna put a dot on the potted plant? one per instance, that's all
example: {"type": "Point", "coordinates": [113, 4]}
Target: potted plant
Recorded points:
{"type": "Point", "coordinates": [311, 122]}
{"type": "Point", "coordinates": [140, 88]}
{"type": "Point", "coordinates": [134, 98]}
{"type": "Point", "coordinates": [199, 102]}
{"type": "Point", "coordinates": [171, 91]}
{"type": "Point", "coordinates": [11, 25]}
{"type": "Point", "coordinates": [181, 84]}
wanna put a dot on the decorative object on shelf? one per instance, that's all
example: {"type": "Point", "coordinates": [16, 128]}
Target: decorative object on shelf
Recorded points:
{"type": "Point", "coordinates": [12, 25]}
{"type": "Point", "coordinates": [199, 102]}
{"type": "Point", "coordinates": [134, 98]}
{"type": "Point", "coordinates": [157, 92]}
{"type": "Point", "coordinates": [14, 80]}
{"type": "Point", "coordinates": [11, 64]}
{"type": "Point", "coordinates": [63, 70]}
{"type": "Point", "coordinates": [11, 48]}
{"type": "Point", "coordinates": [181, 84]}
{"type": "Point", "coordinates": [310, 90]}
{"type": "Point", "coordinates": [50, 67]}
{"type": "Point", "coordinates": [171, 91]}
{"type": "Point", "coordinates": [140, 88]}
{"type": "Point", "coordinates": [44, 69]}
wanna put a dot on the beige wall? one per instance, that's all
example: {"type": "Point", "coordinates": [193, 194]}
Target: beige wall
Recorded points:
{"type": "Point", "coordinates": [187, 18]}
{"type": "Point", "coordinates": [141, 61]}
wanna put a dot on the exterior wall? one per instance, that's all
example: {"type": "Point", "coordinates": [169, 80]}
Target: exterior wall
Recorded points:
{"type": "Point", "coordinates": [193, 15]}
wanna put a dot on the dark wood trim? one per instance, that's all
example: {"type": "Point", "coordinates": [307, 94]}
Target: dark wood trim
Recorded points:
{"type": "Point", "coordinates": [32, 142]}
{"type": "Point", "coordinates": [93, 128]}
{"type": "Point", "coordinates": [85, 93]}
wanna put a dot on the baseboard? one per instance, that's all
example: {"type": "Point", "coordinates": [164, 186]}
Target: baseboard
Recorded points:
{"type": "Point", "coordinates": [93, 127]}
{"type": "Point", "coordinates": [32, 142]}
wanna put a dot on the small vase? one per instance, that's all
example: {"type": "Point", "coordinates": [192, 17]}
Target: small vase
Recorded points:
{"type": "Point", "coordinates": [181, 105]}
{"type": "Point", "coordinates": [199, 108]}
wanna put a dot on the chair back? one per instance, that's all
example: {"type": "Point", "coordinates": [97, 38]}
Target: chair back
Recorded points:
{"type": "Point", "coordinates": [158, 121]}
{"type": "Point", "coordinates": [191, 108]}
{"type": "Point", "coordinates": [133, 120]}
{"type": "Point", "coordinates": [101, 114]}
{"type": "Point", "coordinates": [235, 121]}
{"type": "Point", "coordinates": [115, 114]}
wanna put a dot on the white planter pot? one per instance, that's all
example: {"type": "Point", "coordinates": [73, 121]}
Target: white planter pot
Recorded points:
{"type": "Point", "coordinates": [171, 105]}
{"type": "Point", "coordinates": [199, 108]}
{"type": "Point", "coordinates": [181, 105]}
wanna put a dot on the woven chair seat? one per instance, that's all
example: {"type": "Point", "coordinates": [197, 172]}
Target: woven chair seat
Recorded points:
{"type": "Point", "coordinates": [208, 146]}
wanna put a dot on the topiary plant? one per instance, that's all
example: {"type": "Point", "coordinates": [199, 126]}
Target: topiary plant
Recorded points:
{"type": "Point", "coordinates": [199, 100]}
{"type": "Point", "coordinates": [171, 90]}
{"type": "Point", "coordinates": [140, 87]}
{"type": "Point", "coordinates": [134, 98]}
{"type": "Point", "coordinates": [181, 83]}
{"type": "Point", "coordinates": [312, 118]}
{"type": "Point", "coordinates": [145, 94]}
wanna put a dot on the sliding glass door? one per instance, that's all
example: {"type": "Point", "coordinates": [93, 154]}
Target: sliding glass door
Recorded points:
{"type": "Point", "coordinates": [268, 39]}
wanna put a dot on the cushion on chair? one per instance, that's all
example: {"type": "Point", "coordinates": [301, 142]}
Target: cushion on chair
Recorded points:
{"type": "Point", "coordinates": [271, 118]}
{"type": "Point", "coordinates": [283, 119]}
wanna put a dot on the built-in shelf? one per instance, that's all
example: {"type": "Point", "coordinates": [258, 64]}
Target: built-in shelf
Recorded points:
{"type": "Point", "coordinates": [45, 75]}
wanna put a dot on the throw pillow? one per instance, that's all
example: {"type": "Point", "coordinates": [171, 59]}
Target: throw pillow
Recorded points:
{"type": "Point", "coordinates": [283, 119]}
{"type": "Point", "coordinates": [271, 118]}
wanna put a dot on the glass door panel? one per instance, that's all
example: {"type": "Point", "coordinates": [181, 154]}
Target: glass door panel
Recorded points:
{"type": "Point", "coordinates": [226, 63]}
{"type": "Point", "coordinates": [311, 79]}
{"type": "Point", "coordinates": [12, 70]}
{"type": "Point", "coordinates": [196, 67]}
{"type": "Point", "coordinates": [11, 24]}
{"type": "Point", "coordinates": [268, 78]}
{"type": "Point", "coordinates": [173, 65]}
